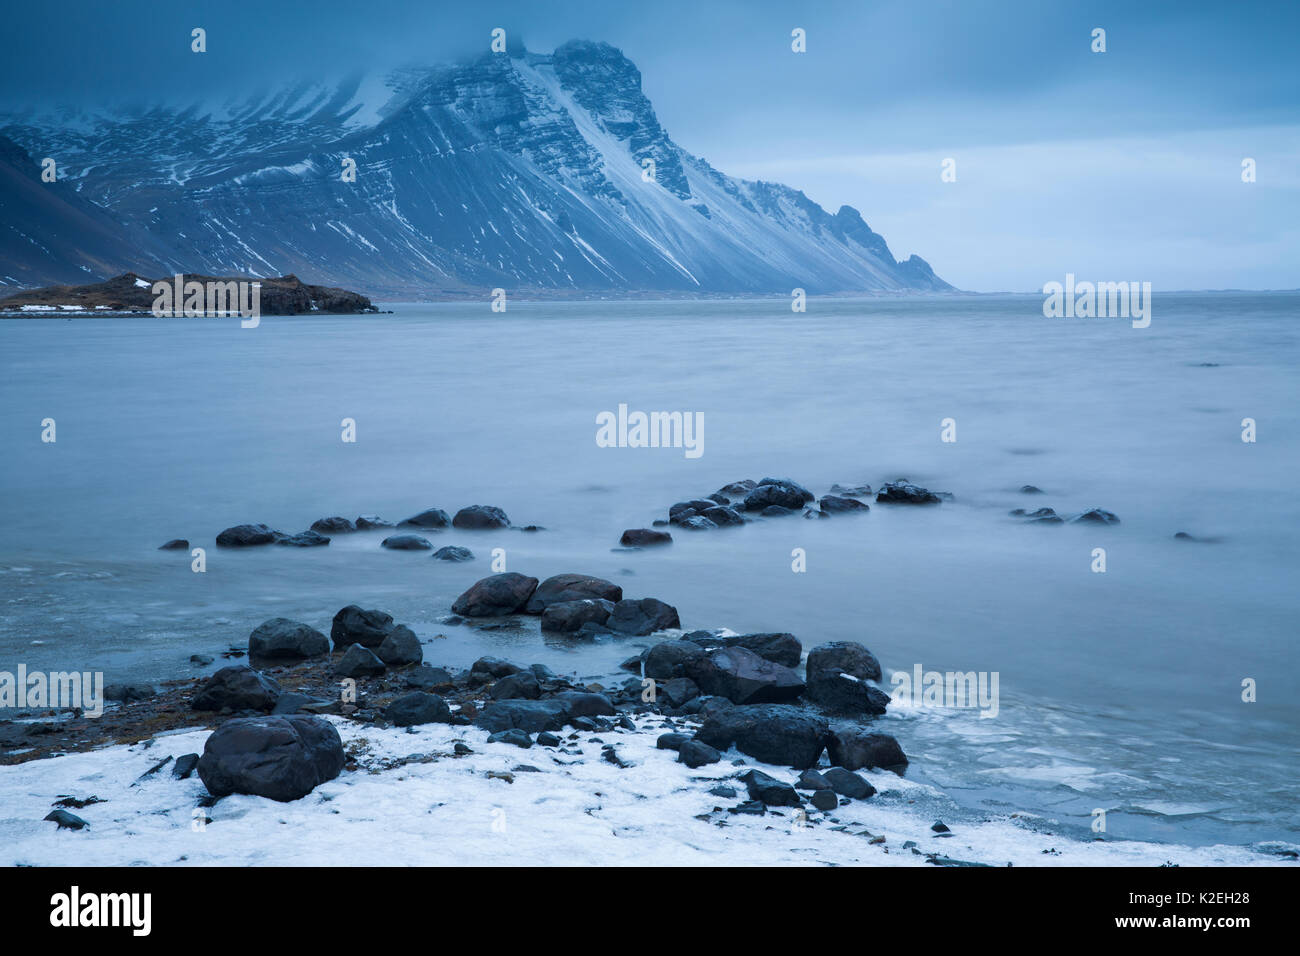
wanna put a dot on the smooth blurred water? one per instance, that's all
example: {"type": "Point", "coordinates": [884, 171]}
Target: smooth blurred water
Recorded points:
{"type": "Point", "coordinates": [1119, 690]}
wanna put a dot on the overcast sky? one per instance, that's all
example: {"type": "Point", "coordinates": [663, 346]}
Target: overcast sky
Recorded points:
{"type": "Point", "coordinates": [1117, 165]}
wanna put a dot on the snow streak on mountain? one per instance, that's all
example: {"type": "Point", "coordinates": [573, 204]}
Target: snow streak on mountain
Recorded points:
{"type": "Point", "coordinates": [522, 171]}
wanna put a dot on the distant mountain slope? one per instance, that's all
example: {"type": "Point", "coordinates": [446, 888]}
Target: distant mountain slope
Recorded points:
{"type": "Point", "coordinates": [518, 171]}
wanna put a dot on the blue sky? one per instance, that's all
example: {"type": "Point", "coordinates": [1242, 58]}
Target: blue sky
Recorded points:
{"type": "Point", "coordinates": [1117, 165]}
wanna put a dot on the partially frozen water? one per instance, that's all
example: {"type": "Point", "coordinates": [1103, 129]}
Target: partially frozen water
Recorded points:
{"type": "Point", "coordinates": [1119, 691]}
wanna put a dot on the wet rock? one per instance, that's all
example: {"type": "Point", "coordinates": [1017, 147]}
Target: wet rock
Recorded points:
{"type": "Point", "coordinates": [848, 784]}
{"type": "Point", "coordinates": [776, 511]}
{"type": "Point", "coordinates": [280, 758]}
{"type": "Point", "coordinates": [644, 538]}
{"type": "Point", "coordinates": [334, 525]}
{"type": "Point", "coordinates": [202, 660]}
{"type": "Point", "coordinates": [849, 657]}
{"type": "Point", "coordinates": [1095, 516]}
{"type": "Point", "coordinates": [496, 596]}
{"type": "Point", "coordinates": [353, 625]}
{"type": "Point", "coordinates": [530, 716]}
{"type": "Point", "coordinates": [400, 646]}
{"type": "Point", "coordinates": [304, 539]}
{"type": "Point", "coordinates": [906, 493]}
{"type": "Point", "coordinates": [433, 518]}
{"type": "Point", "coordinates": [671, 741]}
{"type": "Point", "coordinates": [570, 616]}
{"type": "Point", "coordinates": [696, 753]}
{"type": "Point", "coordinates": [773, 733]}
{"type": "Point", "coordinates": [781, 492]}
{"type": "Point", "coordinates": [480, 518]}
{"type": "Point", "coordinates": [66, 820]}
{"type": "Point", "coordinates": [811, 780]}
{"type": "Point", "coordinates": [370, 522]}
{"type": "Point", "coordinates": [670, 659]}
{"type": "Point", "coordinates": [248, 536]}
{"type": "Point", "coordinates": [719, 499]}
{"type": "Point", "coordinates": [561, 588]}
{"type": "Point", "coordinates": [406, 542]}
{"type": "Point", "coordinates": [548, 739]}
{"type": "Point", "coordinates": [129, 693]}
{"type": "Point", "coordinates": [854, 749]}
{"type": "Point", "coordinates": [781, 647]}
{"type": "Point", "coordinates": [417, 707]}
{"type": "Point", "coordinates": [833, 504]}
{"type": "Point", "coordinates": [283, 639]}
{"type": "Point", "coordinates": [520, 685]}
{"type": "Point", "coordinates": [185, 765]}
{"type": "Point", "coordinates": [237, 687]}
{"type": "Point", "coordinates": [585, 704]}
{"type": "Point", "coordinates": [722, 516]}
{"type": "Point", "coordinates": [684, 509]}
{"type": "Point", "coordinates": [454, 553]}
{"type": "Point", "coordinates": [824, 800]}
{"type": "Point", "coordinates": [851, 491]}
{"type": "Point", "coordinates": [743, 677]}
{"type": "Point", "coordinates": [643, 616]}
{"type": "Point", "coordinates": [697, 523]}
{"type": "Point", "coordinates": [175, 544]}
{"type": "Point", "coordinates": [769, 791]}
{"type": "Point", "coordinates": [488, 669]}
{"type": "Point", "coordinates": [679, 691]}
{"type": "Point", "coordinates": [359, 661]}
{"type": "Point", "coordinates": [842, 693]}
{"type": "Point", "coordinates": [425, 677]}
{"type": "Point", "coordinates": [737, 488]}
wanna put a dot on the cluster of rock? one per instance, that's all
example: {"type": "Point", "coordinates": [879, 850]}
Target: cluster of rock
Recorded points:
{"type": "Point", "coordinates": [742, 501]}
{"type": "Point", "coordinates": [1044, 516]}
{"type": "Point", "coordinates": [471, 518]}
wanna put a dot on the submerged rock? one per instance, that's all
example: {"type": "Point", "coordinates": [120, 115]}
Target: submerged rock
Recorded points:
{"type": "Point", "coordinates": [1095, 516]}
{"type": "Point", "coordinates": [369, 522]}
{"type": "Point", "coordinates": [454, 553]}
{"type": "Point", "coordinates": [906, 493]}
{"type": "Point", "coordinates": [283, 639]}
{"type": "Point", "coordinates": [129, 693]}
{"type": "Point", "coordinates": [480, 518]}
{"type": "Point", "coordinates": [407, 542]}
{"type": "Point", "coordinates": [833, 504]}
{"type": "Point", "coordinates": [248, 536]}
{"type": "Point", "coordinates": [496, 596]}
{"type": "Point", "coordinates": [175, 544]}
{"type": "Point", "coordinates": [644, 538]}
{"type": "Point", "coordinates": [432, 518]}
{"type": "Point", "coordinates": [334, 525]}
{"type": "Point", "coordinates": [1030, 490]}
{"type": "Point", "coordinates": [280, 758]}
{"type": "Point", "coordinates": [304, 539]}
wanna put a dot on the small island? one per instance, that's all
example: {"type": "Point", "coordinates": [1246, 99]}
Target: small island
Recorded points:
{"type": "Point", "coordinates": [133, 295]}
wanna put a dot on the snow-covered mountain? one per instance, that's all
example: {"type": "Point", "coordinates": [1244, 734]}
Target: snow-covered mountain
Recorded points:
{"type": "Point", "coordinates": [522, 171]}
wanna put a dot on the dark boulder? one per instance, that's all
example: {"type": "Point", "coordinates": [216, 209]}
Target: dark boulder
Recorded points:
{"type": "Point", "coordinates": [304, 539]}
{"type": "Point", "coordinates": [433, 518]}
{"type": "Point", "coordinates": [906, 493]}
{"type": "Point", "coordinates": [854, 748]}
{"type": "Point", "coordinates": [743, 677]}
{"type": "Point", "coordinates": [480, 518]}
{"type": "Point", "coordinates": [454, 553]}
{"type": "Point", "coordinates": [579, 703]}
{"type": "Point", "coordinates": [359, 661]}
{"type": "Point", "coordinates": [129, 693]}
{"type": "Point", "coordinates": [683, 509]}
{"type": "Point", "coordinates": [416, 708]}
{"type": "Point", "coordinates": [353, 625]}
{"type": "Point", "coordinates": [283, 639]}
{"type": "Point", "coordinates": [1095, 516]}
{"type": "Point", "coordinates": [512, 736]}
{"type": "Point", "coordinates": [487, 669]}
{"type": "Point", "coordinates": [776, 511]}
{"type": "Point", "coordinates": [849, 657]}
{"type": "Point", "coordinates": [841, 693]}
{"type": "Point", "coordinates": [407, 542]}
{"type": "Point", "coordinates": [851, 491]}
{"type": "Point", "coordinates": [824, 800]}
{"type": "Point", "coordinates": [811, 780]}
{"type": "Point", "coordinates": [238, 687]}
{"type": "Point", "coordinates": [696, 753]}
{"type": "Point", "coordinates": [848, 784]}
{"type": "Point", "coordinates": [833, 504]}
{"type": "Point", "coordinates": [426, 677]}
{"type": "Point", "coordinates": [334, 525]}
{"type": "Point", "coordinates": [696, 523]}
{"type": "Point", "coordinates": [773, 733]}
{"type": "Point", "coordinates": [671, 741]}
{"type": "Point", "coordinates": [644, 538]}
{"type": "Point", "coordinates": [400, 646]}
{"type": "Point", "coordinates": [530, 716]}
{"type": "Point", "coordinates": [281, 758]}
{"type": "Point", "coordinates": [770, 791]}
{"type": "Point", "coordinates": [671, 659]}
{"type": "Point", "coordinates": [569, 616]}
{"type": "Point", "coordinates": [496, 596]}
{"type": "Point", "coordinates": [560, 588]}
{"type": "Point", "coordinates": [1030, 490]}
{"type": "Point", "coordinates": [778, 646]}
{"type": "Point", "coordinates": [781, 492]}
{"type": "Point", "coordinates": [679, 690]}
{"type": "Point", "coordinates": [643, 616]}
{"type": "Point", "coordinates": [737, 488]}
{"type": "Point", "coordinates": [723, 516]}
{"type": "Point", "coordinates": [520, 685]}
{"type": "Point", "coordinates": [248, 535]}
{"type": "Point", "coordinates": [370, 522]}
{"type": "Point", "coordinates": [175, 544]}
